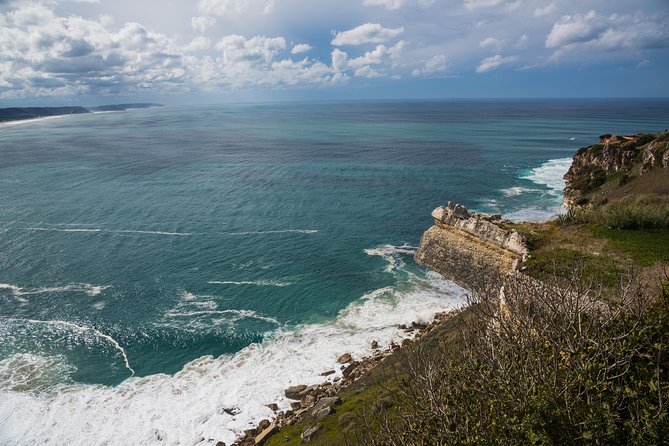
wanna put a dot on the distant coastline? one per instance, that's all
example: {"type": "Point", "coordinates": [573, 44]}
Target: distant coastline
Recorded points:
{"type": "Point", "coordinates": [12, 114]}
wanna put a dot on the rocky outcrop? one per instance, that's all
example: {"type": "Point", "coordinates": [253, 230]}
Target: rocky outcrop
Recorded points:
{"type": "Point", "coordinates": [464, 246]}
{"type": "Point", "coordinates": [628, 156]}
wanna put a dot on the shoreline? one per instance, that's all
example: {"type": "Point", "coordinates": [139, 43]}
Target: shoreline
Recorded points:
{"type": "Point", "coordinates": [319, 399]}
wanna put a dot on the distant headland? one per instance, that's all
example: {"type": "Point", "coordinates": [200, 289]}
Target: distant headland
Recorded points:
{"type": "Point", "coordinates": [23, 113]}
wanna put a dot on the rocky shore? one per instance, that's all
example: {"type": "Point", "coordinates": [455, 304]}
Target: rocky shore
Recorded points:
{"type": "Point", "coordinates": [318, 401]}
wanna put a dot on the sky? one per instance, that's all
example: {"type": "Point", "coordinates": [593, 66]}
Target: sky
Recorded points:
{"type": "Point", "coordinates": [210, 51]}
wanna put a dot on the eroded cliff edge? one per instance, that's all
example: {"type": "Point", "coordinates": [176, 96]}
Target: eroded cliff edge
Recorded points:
{"type": "Point", "coordinates": [466, 247]}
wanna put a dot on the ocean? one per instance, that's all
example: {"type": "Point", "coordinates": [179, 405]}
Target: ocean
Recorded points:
{"type": "Point", "coordinates": [166, 273]}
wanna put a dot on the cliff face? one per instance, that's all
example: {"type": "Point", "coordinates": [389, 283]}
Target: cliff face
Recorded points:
{"type": "Point", "coordinates": [466, 247]}
{"type": "Point", "coordinates": [614, 160]}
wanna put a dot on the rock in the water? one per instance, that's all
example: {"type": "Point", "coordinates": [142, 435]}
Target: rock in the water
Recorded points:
{"type": "Point", "coordinates": [309, 433]}
{"type": "Point", "coordinates": [220, 443]}
{"type": "Point", "coordinates": [294, 392]}
{"type": "Point", "coordinates": [348, 370]}
{"type": "Point", "coordinates": [375, 345]}
{"type": "Point", "coordinates": [264, 424]}
{"type": "Point", "coordinates": [328, 373]}
{"type": "Point", "coordinates": [346, 357]}
{"type": "Point", "coordinates": [273, 407]}
{"type": "Point", "coordinates": [265, 434]}
{"type": "Point", "coordinates": [250, 432]}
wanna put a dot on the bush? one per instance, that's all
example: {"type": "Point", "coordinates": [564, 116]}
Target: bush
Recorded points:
{"type": "Point", "coordinates": [547, 365]}
{"type": "Point", "coordinates": [628, 216]}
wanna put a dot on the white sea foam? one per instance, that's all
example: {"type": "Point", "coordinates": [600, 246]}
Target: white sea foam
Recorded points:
{"type": "Point", "coordinates": [113, 231]}
{"type": "Point", "coordinates": [278, 231]}
{"type": "Point", "coordinates": [551, 174]}
{"type": "Point", "coordinates": [390, 254]}
{"type": "Point", "coordinates": [277, 283]}
{"type": "Point", "coordinates": [25, 372]}
{"type": "Point", "coordinates": [131, 231]}
{"type": "Point", "coordinates": [517, 190]}
{"type": "Point", "coordinates": [28, 121]}
{"type": "Point", "coordinates": [86, 288]}
{"type": "Point", "coordinates": [66, 230]}
{"type": "Point", "coordinates": [188, 407]}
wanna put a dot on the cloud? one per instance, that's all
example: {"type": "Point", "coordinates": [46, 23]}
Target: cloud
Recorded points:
{"type": "Point", "coordinates": [491, 42]}
{"type": "Point", "coordinates": [301, 48]}
{"type": "Point", "coordinates": [198, 44]}
{"type": "Point", "coordinates": [210, 10]}
{"type": "Point", "coordinates": [46, 55]}
{"type": "Point", "coordinates": [545, 11]}
{"type": "Point", "coordinates": [224, 8]}
{"type": "Point", "coordinates": [367, 33]}
{"type": "Point", "coordinates": [612, 33]}
{"type": "Point", "coordinates": [396, 4]}
{"type": "Point", "coordinates": [478, 4]}
{"type": "Point", "coordinates": [494, 62]}
{"type": "Point", "coordinates": [202, 23]}
{"type": "Point", "coordinates": [433, 66]}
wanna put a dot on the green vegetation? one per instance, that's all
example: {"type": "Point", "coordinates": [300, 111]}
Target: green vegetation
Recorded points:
{"type": "Point", "coordinates": [558, 367]}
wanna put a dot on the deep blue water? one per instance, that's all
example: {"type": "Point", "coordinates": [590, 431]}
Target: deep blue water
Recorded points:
{"type": "Point", "coordinates": [170, 234]}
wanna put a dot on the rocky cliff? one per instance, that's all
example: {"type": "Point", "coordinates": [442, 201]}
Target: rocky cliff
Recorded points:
{"type": "Point", "coordinates": [599, 169]}
{"type": "Point", "coordinates": [465, 247]}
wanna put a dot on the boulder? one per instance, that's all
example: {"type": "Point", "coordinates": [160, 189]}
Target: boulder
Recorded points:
{"type": "Point", "coordinates": [264, 424]}
{"type": "Point", "coordinates": [348, 370]}
{"type": "Point", "coordinates": [328, 373]}
{"type": "Point", "coordinates": [273, 407]}
{"type": "Point", "coordinates": [309, 433]}
{"type": "Point", "coordinates": [294, 392]}
{"type": "Point", "coordinates": [265, 434]}
{"type": "Point", "coordinates": [346, 357]}
{"type": "Point", "coordinates": [375, 345]}
{"type": "Point", "coordinates": [324, 412]}
{"type": "Point", "coordinates": [324, 403]}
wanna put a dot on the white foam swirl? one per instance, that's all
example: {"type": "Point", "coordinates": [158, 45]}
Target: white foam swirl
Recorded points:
{"type": "Point", "coordinates": [277, 231]}
{"type": "Point", "coordinates": [86, 288]}
{"type": "Point", "coordinates": [96, 332]}
{"type": "Point", "coordinates": [276, 283]}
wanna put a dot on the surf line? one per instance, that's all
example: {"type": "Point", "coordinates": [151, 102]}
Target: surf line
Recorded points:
{"type": "Point", "coordinates": [83, 328]}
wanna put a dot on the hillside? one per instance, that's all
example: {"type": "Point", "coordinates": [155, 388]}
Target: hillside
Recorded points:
{"type": "Point", "coordinates": [21, 113]}
{"type": "Point", "coordinates": [621, 182]}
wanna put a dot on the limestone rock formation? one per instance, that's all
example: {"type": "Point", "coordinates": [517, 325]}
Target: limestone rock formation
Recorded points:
{"type": "Point", "coordinates": [628, 156]}
{"type": "Point", "coordinates": [464, 246]}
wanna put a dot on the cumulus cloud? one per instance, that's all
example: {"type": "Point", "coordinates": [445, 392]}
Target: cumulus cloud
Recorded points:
{"type": "Point", "coordinates": [613, 32]}
{"type": "Point", "coordinates": [491, 42]}
{"type": "Point", "coordinates": [494, 62]}
{"type": "Point", "coordinates": [301, 48]}
{"type": "Point", "coordinates": [366, 33]}
{"type": "Point", "coordinates": [201, 23]}
{"type": "Point", "coordinates": [433, 66]}
{"type": "Point", "coordinates": [43, 54]}
{"type": "Point", "coordinates": [210, 10]}
{"type": "Point", "coordinates": [545, 10]}
{"type": "Point", "coordinates": [223, 8]}
{"type": "Point", "coordinates": [478, 4]}
{"type": "Point", "coordinates": [396, 4]}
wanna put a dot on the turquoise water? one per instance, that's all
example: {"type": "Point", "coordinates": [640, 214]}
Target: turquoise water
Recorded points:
{"type": "Point", "coordinates": [201, 257]}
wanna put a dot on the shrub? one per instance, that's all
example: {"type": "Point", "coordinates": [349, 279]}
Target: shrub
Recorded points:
{"type": "Point", "coordinates": [628, 216]}
{"type": "Point", "coordinates": [551, 365]}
